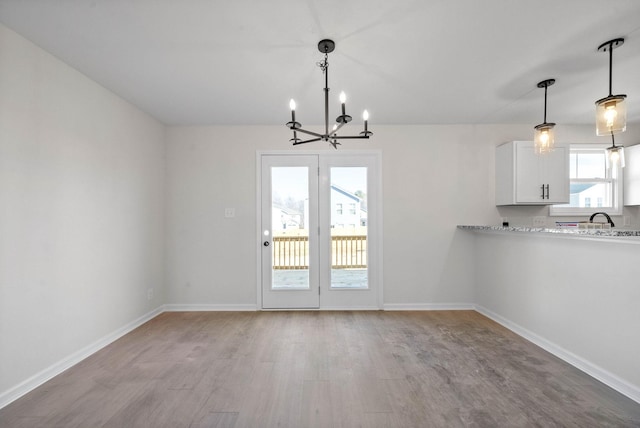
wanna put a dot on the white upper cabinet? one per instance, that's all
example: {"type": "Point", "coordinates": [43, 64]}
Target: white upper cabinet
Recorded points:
{"type": "Point", "coordinates": [632, 175]}
{"type": "Point", "coordinates": [526, 178]}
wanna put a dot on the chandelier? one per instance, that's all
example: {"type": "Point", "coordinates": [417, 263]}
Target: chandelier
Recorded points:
{"type": "Point", "coordinates": [326, 46]}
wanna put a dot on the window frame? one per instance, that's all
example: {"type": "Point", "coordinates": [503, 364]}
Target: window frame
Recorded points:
{"type": "Point", "coordinates": [614, 178]}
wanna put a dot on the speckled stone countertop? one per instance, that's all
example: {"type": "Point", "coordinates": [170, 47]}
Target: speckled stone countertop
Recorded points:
{"type": "Point", "coordinates": [604, 233]}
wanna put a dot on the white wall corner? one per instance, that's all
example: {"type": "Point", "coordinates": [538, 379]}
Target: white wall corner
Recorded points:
{"type": "Point", "coordinates": [604, 376]}
{"type": "Point", "coordinates": [50, 372]}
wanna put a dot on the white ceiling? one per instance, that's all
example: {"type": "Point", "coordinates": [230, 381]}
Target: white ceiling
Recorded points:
{"type": "Point", "coordinates": [407, 61]}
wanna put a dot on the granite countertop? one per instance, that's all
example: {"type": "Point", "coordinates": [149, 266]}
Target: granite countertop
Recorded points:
{"type": "Point", "coordinates": [559, 231]}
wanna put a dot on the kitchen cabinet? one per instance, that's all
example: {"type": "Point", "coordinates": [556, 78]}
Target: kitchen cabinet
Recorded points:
{"type": "Point", "coordinates": [632, 175]}
{"type": "Point", "coordinates": [526, 178]}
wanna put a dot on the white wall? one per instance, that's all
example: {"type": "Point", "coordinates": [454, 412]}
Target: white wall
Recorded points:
{"type": "Point", "coordinates": [81, 212]}
{"type": "Point", "coordinates": [434, 177]}
{"type": "Point", "coordinates": [580, 296]}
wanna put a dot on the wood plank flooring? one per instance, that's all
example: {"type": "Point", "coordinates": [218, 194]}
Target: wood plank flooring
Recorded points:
{"type": "Point", "coordinates": [322, 369]}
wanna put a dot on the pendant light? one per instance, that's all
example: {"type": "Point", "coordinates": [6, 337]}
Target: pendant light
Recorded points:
{"type": "Point", "coordinates": [611, 111]}
{"type": "Point", "coordinates": [543, 137]}
{"type": "Point", "coordinates": [615, 154]}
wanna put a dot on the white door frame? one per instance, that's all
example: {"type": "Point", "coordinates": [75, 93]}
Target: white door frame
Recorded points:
{"type": "Point", "coordinates": [296, 298]}
{"type": "Point", "coordinates": [375, 252]}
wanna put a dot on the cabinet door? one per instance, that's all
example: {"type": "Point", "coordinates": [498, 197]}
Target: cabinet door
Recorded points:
{"type": "Point", "coordinates": [632, 175]}
{"type": "Point", "coordinates": [555, 174]}
{"type": "Point", "coordinates": [528, 171]}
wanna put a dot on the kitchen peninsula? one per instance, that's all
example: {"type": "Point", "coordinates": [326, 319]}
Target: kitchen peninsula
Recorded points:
{"type": "Point", "coordinates": [557, 231]}
{"type": "Point", "coordinates": [574, 292]}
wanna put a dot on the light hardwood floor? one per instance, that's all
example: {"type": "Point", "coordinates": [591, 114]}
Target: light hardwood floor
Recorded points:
{"type": "Point", "coordinates": [332, 369]}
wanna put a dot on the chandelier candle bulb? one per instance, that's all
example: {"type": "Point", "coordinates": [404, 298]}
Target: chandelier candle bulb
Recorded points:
{"type": "Point", "coordinates": [343, 100]}
{"type": "Point", "coordinates": [365, 117]}
{"type": "Point", "coordinates": [292, 105]}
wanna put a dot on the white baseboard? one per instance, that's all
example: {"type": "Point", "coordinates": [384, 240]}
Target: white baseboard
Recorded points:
{"type": "Point", "coordinates": [38, 379]}
{"type": "Point", "coordinates": [604, 376]}
{"type": "Point", "coordinates": [350, 308]}
{"type": "Point", "coordinates": [429, 307]}
{"type": "Point", "coordinates": [189, 307]}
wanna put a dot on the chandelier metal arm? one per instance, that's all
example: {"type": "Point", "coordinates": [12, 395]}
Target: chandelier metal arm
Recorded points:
{"type": "Point", "coordinates": [315, 134]}
{"type": "Point", "coordinates": [337, 128]}
{"type": "Point", "coordinates": [313, 140]}
{"type": "Point", "coordinates": [351, 137]}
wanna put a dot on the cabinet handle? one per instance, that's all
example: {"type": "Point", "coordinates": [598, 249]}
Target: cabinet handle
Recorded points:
{"type": "Point", "coordinates": [547, 191]}
{"type": "Point", "coordinates": [542, 191]}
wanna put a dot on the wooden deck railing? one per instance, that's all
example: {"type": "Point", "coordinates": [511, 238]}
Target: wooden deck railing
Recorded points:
{"type": "Point", "coordinates": [348, 252]}
{"type": "Point", "coordinates": [292, 252]}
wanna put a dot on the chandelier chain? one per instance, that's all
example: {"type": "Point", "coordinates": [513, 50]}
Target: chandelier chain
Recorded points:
{"type": "Point", "coordinates": [324, 64]}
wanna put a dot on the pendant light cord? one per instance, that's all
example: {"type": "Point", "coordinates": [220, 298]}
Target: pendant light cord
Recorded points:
{"type": "Point", "coordinates": [613, 140]}
{"type": "Point", "coordinates": [545, 103]}
{"type": "Point", "coordinates": [610, 68]}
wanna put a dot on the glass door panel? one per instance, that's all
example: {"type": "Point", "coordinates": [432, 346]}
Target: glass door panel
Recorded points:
{"type": "Point", "coordinates": [290, 231]}
{"type": "Point", "coordinates": [350, 231]}
{"type": "Point", "coordinates": [348, 200]}
{"type": "Point", "coordinates": [289, 255]}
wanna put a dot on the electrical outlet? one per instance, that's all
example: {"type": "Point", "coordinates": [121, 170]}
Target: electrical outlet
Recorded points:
{"type": "Point", "coordinates": [626, 221]}
{"type": "Point", "coordinates": [150, 294]}
{"type": "Point", "coordinates": [229, 212]}
{"type": "Point", "coordinates": [539, 221]}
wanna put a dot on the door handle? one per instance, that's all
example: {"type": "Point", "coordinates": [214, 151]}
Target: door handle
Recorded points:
{"type": "Point", "coordinates": [266, 243]}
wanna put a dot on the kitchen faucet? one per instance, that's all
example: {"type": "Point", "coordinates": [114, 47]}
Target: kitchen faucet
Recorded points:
{"type": "Point", "coordinates": [604, 214]}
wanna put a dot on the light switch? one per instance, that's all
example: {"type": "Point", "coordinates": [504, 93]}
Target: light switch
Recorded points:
{"type": "Point", "coordinates": [229, 212]}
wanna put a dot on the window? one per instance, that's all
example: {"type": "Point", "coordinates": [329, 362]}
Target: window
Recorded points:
{"type": "Point", "coordinates": [352, 209]}
{"type": "Point", "coordinates": [338, 208]}
{"type": "Point", "coordinates": [591, 180]}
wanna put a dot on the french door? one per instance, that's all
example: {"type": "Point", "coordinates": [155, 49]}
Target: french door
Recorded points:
{"type": "Point", "coordinates": [319, 231]}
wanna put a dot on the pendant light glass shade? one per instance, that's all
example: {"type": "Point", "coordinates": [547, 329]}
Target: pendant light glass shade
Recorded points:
{"type": "Point", "coordinates": [543, 138]}
{"type": "Point", "coordinates": [615, 155]}
{"type": "Point", "coordinates": [611, 115]}
{"type": "Point", "coordinates": [611, 111]}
